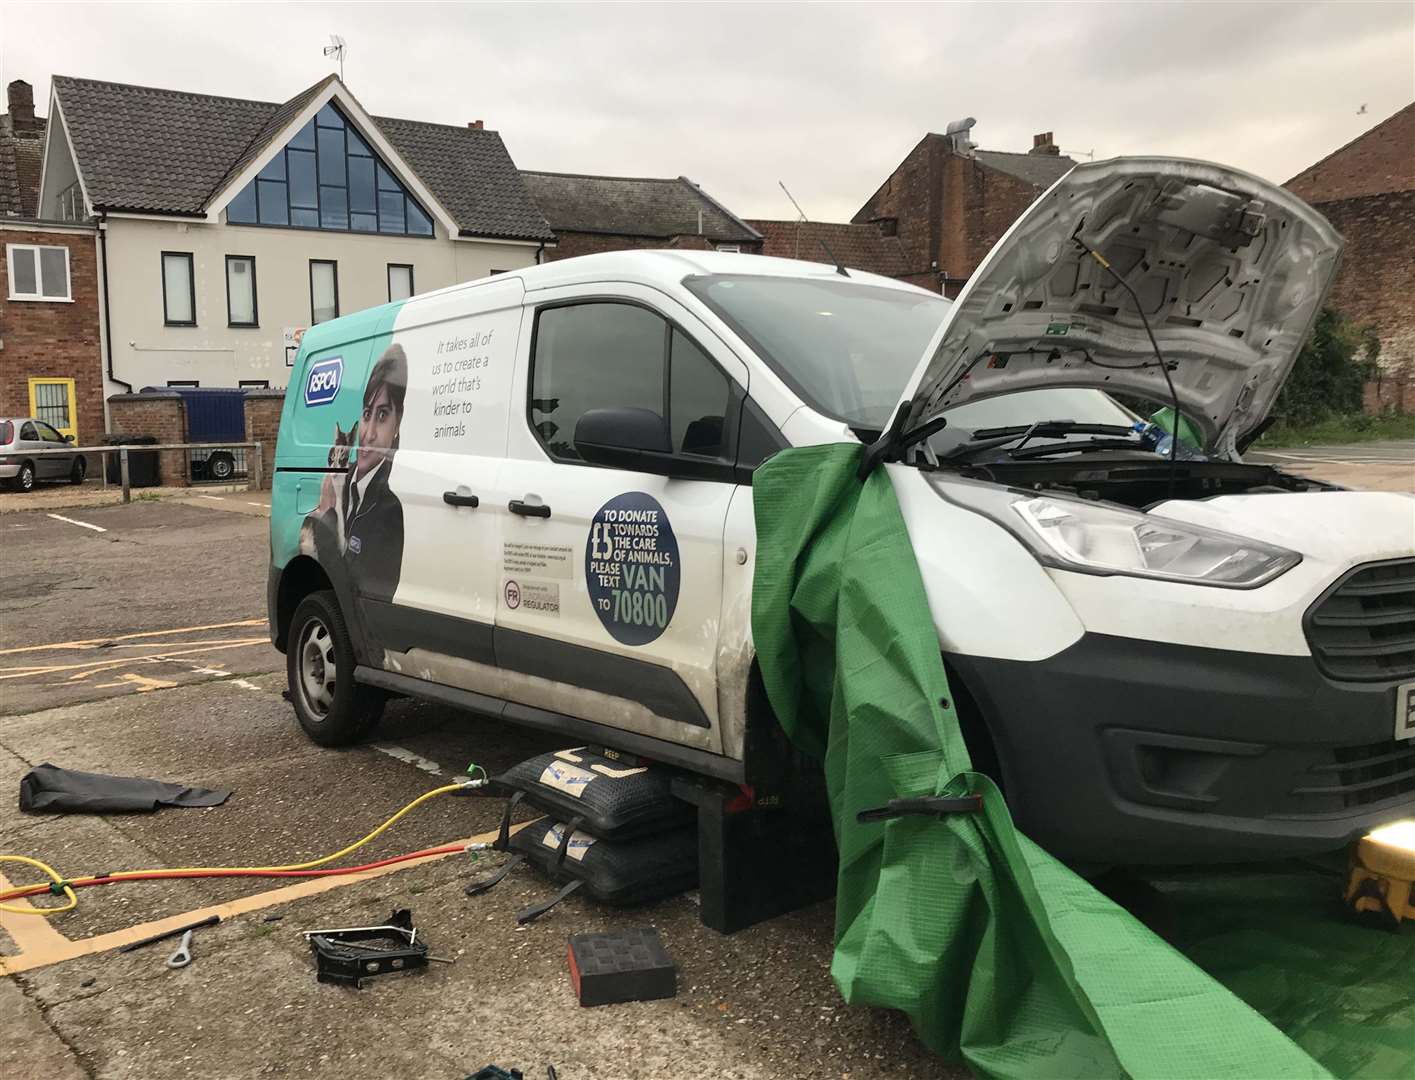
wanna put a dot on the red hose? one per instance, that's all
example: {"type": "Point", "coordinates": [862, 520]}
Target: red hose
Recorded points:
{"type": "Point", "coordinates": [166, 875]}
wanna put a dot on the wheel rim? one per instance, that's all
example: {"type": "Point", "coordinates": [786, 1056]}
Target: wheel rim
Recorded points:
{"type": "Point", "coordinates": [26, 478]}
{"type": "Point", "coordinates": [221, 468]}
{"type": "Point", "coordinates": [80, 470]}
{"type": "Point", "coordinates": [318, 671]}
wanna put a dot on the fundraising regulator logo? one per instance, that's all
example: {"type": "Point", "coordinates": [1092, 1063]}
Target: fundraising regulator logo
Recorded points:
{"type": "Point", "coordinates": [322, 384]}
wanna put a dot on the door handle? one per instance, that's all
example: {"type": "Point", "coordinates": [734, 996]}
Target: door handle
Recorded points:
{"type": "Point", "coordinates": [451, 498]}
{"type": "Point", "coordinates": [525, 509]}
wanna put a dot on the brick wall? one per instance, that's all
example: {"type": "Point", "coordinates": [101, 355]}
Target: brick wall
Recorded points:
{"type": "Point", "coordinates": [162, 416]}
{"type": "Point", "coordinates": [571, 244]}
{"type": "Point", "coordinates": [60, 340]}
{"type": "Point", "coordinates": [1381, 160]}
{"type": "Point", "coordinates": [1377, 271]}
{"type": "Point", "coordinates": [263, 426]}
{"type": "Point", "coordinates": [951, 209]}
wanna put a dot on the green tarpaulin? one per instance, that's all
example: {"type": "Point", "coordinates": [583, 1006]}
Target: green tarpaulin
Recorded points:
{"type": "Point", "coordinates": [998, 953]}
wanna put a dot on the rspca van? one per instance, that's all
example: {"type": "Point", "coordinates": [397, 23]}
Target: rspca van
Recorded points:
{"type": "Point", "coordinates": [530, 496]}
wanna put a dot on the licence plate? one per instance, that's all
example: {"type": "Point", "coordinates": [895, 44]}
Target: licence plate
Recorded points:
{"type": "Point", "coordinates": [1405, 711]}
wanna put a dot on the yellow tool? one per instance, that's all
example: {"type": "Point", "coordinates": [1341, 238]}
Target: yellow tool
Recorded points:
{"type": "Point", "coordinates": [1383, 872]}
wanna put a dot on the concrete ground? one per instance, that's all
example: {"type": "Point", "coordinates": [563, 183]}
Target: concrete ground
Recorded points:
{"type": "Point", "coordinates": [197, 700]}
{"type": "Point", "coordinates": [1369, 466]}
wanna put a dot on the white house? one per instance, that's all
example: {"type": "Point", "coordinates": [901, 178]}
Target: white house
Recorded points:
{"type": "Point", "coordinates": [229, 226]}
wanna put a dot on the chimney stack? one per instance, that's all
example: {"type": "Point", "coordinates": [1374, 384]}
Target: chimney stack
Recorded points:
{"type": "Point", "coordinates": [475, 125]}
{"type": "Point", "coordinates": [1044, 144]}
{"type": "Point", "coordinates": [20, 98]}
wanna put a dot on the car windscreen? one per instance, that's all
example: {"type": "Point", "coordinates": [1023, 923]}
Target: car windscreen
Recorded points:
{"type": "Point", "coordinates": [845, 347]}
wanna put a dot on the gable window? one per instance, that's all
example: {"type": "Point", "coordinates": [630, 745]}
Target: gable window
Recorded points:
{"type": "Point", "coordinates": [734, 249]}
{"type": "Point", "coordinates": [179, 291]}
{"type": "Point", "coordinates": [400, 281]}
{"type": "Point", "coordinates": [324, 290]}
{"type": "Point", "coordinates": [328, 177]}
{"type": "Point", "coordinates": [240, 291]}
{"type": "Point", "coordinates": [38, 273]}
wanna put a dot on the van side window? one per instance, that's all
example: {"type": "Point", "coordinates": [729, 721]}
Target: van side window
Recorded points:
{"type": "Point", "coordinates": [603, 355]}
{"type": "Point", "coordinates": [697, 399]}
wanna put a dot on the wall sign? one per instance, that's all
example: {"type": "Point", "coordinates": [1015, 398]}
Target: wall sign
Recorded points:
{"type": "Point", "coordinates": [632, 568]}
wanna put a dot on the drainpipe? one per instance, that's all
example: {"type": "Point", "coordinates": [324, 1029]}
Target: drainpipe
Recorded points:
{"type": "Point", "coordinates": [107, 324]}
{"type": "Point", "coordinates": [540, 253]}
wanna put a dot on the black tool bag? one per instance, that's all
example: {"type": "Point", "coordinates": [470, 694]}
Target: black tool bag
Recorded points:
{"type": "Point", "coordinates": [613, 800]}
{"type": "Point", "coordinates": [621, 872]}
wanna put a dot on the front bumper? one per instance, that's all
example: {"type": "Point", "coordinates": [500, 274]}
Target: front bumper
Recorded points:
{"type": "Point", "coordinates": [1129, 751]}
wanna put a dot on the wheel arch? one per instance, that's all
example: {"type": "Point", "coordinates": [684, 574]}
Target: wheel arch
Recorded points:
{"type": "Point", "coordinates": [301, 576]}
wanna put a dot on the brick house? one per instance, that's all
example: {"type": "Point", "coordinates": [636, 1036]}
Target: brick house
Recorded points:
{"type": "Point", "coordinates": [617, 213]}
{"type": "Point", "coordinates": [51, 357]}
{"type": "Point", "coordinates": [949, 202]}
{"type": "Point", "coordinates": [1367, 190]}
{"type": "Point", "coordinates": [858, 247]}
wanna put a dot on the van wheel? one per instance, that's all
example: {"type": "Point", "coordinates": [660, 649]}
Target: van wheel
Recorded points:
{"type": "Point", "coordinates": [319, 663]}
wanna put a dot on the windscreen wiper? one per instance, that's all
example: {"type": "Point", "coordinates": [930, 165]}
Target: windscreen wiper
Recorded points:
{"type": "Point", "coordinates": [991, 438]}
{"type": "Point", "coordinates": [1051, 449]}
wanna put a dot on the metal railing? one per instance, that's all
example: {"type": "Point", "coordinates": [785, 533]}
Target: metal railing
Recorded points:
{"type": "Point", "coordinates": [255, 460]}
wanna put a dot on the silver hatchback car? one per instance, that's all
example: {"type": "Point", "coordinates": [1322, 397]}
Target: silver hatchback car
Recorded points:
{"type": "Point", "coordinates": [21, 435]}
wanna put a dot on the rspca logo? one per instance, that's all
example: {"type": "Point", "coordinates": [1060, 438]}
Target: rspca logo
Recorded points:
{"type": "Point", "coordinates": [322, 385]}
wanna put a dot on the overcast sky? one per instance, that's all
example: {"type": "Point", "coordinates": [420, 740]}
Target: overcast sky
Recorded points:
{"type": "Point", "coordinates": [827, 98]}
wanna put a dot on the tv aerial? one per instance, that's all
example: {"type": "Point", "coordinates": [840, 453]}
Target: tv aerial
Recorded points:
{"type": "Point", "coordinates": [337, 48]}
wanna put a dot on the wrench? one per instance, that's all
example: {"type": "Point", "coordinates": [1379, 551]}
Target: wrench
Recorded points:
{"type": "Point", "coordinates": [183, 956]}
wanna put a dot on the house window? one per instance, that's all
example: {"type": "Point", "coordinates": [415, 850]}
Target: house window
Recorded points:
{"type": "Point", "coordinates": [38, 273]}
{"type": "Point", "coordinates": [179, 291]}
{"type": "Point", "coordinates": [240, 291]}
{"type": "Point", "coordinates": [400, 281]}
{"type": "Point", "coordinates": [328, 177]}
{"type": "Point", "coordinates": [324, 290]}
{"type": "Point", "coordinates": [733, 249]}
{"type": "Point", "coordinates": [254, 384]}
{"type": "Point", "coordinates": [182, 382]}
{"type": "Point", "coordinates": [71, 203]}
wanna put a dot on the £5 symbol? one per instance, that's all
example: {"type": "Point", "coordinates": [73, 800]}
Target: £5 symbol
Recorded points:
{"type": "Point", "coordinates": [601, 543]}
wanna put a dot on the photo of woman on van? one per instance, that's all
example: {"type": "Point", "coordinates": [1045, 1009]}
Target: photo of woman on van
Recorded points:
{"type": "Point", "coordinates": [358, 524]}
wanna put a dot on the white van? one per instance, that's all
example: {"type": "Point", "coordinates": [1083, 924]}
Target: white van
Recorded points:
{"type": "Point", "coordinates": [530, 496]}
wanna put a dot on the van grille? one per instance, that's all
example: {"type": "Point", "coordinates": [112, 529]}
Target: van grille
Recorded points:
{"type": "Point", "coordinates": [1361, 775]}
{"type": "Point", "coordinates": [1363, 629]}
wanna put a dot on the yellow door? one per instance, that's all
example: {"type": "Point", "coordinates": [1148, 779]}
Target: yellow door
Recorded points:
{"type": "Point", "coordinates": [52, 400]}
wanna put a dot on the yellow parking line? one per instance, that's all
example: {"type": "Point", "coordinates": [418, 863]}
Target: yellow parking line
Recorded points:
{"type": "Point", "coordinates": [26, 672]}
{"type": "Point", "coordinates": [49, 951]}
{"type": "Point", "coordinates": [88, 643]}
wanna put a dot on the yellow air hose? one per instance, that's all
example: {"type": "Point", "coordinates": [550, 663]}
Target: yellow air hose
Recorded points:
{"type": "Point", "coordinates": [59, 883]}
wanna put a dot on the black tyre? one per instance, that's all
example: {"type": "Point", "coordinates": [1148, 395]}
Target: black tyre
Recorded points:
{"type": "Point", "coordinates": [24, 479]}
{"type": "Point", "coordinates": [319, 664]}
{"type": "Point", "coordinates": [79, 471]}
{"type": "Point", "coordinates": [221, 466]}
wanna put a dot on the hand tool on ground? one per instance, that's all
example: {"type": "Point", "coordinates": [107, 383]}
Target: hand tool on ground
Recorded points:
{"type": "Point", "coordinates": [183, 956]}
{"type": "Point", "coordinates": [176, 931]}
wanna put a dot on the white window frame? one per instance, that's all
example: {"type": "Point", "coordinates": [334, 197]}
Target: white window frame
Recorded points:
{"type": "Point", "coordinates": [730, 249]}
{"type": "Point", "coordinates": [38, 296]}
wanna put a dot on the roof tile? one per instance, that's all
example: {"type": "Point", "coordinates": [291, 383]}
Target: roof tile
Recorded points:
{"type": "Point", "coordinates": [633, 206]}
{"type": "Point", "coordinates": [170, 152]}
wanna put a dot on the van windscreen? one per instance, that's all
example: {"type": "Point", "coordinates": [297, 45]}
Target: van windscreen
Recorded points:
{"type": "Point", "coordinates": [846, 347]}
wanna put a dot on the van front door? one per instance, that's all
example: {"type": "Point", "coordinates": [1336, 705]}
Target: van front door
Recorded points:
{"type": "Point", "coordinates": [611, 580]}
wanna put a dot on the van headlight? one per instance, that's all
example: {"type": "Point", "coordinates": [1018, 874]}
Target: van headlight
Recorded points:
{"type": "Point", "coordinates": [1098, 538]}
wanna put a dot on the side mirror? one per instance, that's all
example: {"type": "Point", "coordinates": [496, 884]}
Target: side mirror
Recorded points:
{"type": "Point", "coordinates": [626, 438]}
{"type": "Point", "coordinates": [69, 439]}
